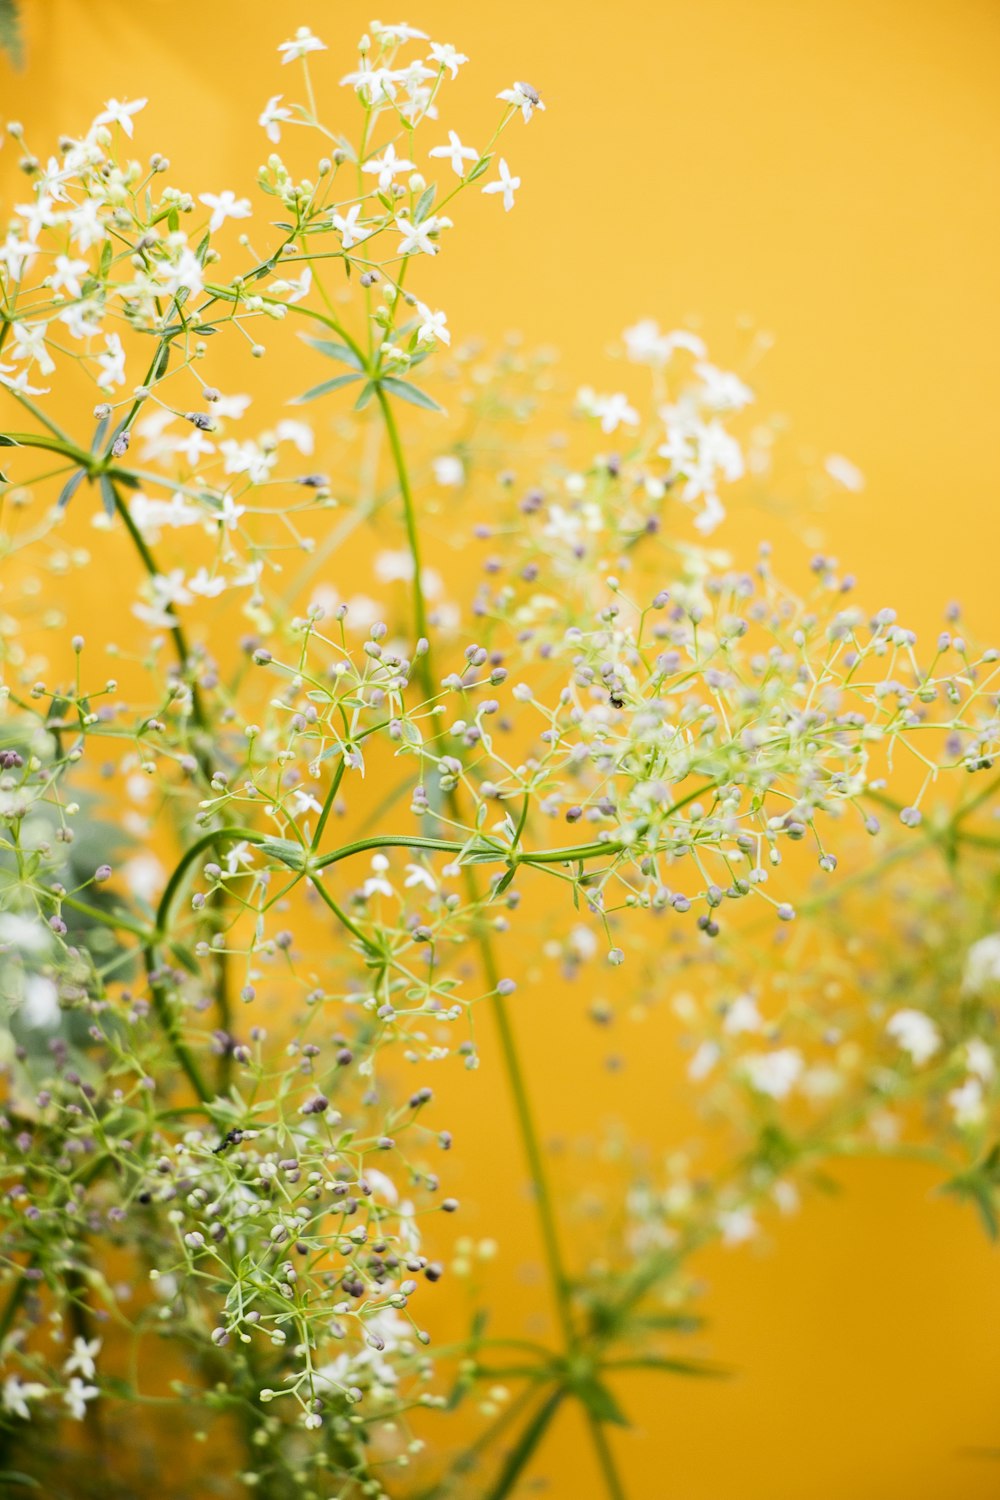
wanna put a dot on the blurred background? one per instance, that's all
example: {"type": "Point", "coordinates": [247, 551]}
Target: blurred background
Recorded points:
{"type": "Point", "coordinates": [825, 170]}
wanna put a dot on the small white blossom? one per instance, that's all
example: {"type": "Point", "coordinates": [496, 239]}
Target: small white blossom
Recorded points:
{"type": "Point", "coordinates": [447, 56]}
{"type": "Point", "coordinates": [388, 166]}
{"type": "Point", "coordinates": [302, 43]}
{"type": "Point", "coordinates": [433, 326]}
{"type": "Point", "coordinates": [982, 965]}
{"type": "Point", "coordinates": [523, 97]}
{"type": "Point", "coordinates": [225, 205]}
{"type": "Point", "coordinates": [456, 153]}
{"type": "Point", "coordinates": [773, 1073]}
{"type": "Point", "coordinates": [76, 1396]}
{"type": "Point", "coordinates": [273, 116]}
{"type": "Point", "coordinates": [915, 1033]}
{"type": "Point", "coordinates": [117, 112]}
{"type": "Point", "coordinates": [82, 1358]}
{"type": "Point", "coordinates": [506, 185]}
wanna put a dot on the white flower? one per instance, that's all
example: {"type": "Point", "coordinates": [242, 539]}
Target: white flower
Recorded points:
{"type": "Point", "coordinates": [40, 1002]}
{"type": "Point", "coordinates": [915, 1033]}
{"type": "Point", "coordinates": [205, 586]}
{"type": "Point", "coordinates": [225, 205]}
{"type": "Point", "coordinates": [433, 325]}
{"type": "Point", "coordinates": [347, 226]}
{"type": "Point", "coordinates": [523, 97]}
{"type": "Point", "coordinates": [506, 185]}
{"type": "Point", "coordinates": [448, 57]}
{"type": "Point", "coordinates": [456, 153]}
{"type": "Point", "coordinates": [704, 1061]}
{"type": "Point", "coordinates": [295, 289]}
{"type": "Point", "coordinates": [238, 857]}
{"type": "Point", "coordinates": [17, 1393]}
{"type": "Point", "coordinates": [117, 112]}
{"type": "Point", "coordinates": [387, 166]}
{"type": "Point", "coordinates": [376, 83]}
{"type": "Point", "coordinates": [736, 1225]}
{"type": "Point", "coordinates": [982, 964]}
{"type": "Point", "coordinates": [416, 238]}
{"type": "Point", "coordinates": [29, 343]}
{"type": "Point", "coordinates": [65, 275]}
{"type": "Point", "coordinates": [612, 410]}
{"type": "Point", "coordinates": [112, 363]}
{"type": "Point", "coordinates": [773, 1073]}
{"type": "Point", "coordinates": [967, 1103]}
{"type": "Point", "coordinates": [86, 225]}
{"type": "Point", "coordinates": [398, 32]}
{"type": "Point", "coordinates": [980, 1059]}
{"type": "Point", "coordinates": [272, 117]}
{"type": "Point", "coordinates": [82, 1358]}
{"type": "Point", "coordinates": [419, 875]}
{"type": "Point", "coordinates": [742, 1015]}
{"type": "Point", "coordinates": [301, 43]}
{"type": "Point", "coordinates": [646, 345]}
{"type": "Point", "coordinates": [844, 472]}
{"type": "Point", "coordinates": [77, 1393]}
{"type": "Point", "coordinates": [721, 390]}
{"type": "Point", "coordinates": [448, 470]}
{"type": "Point", "coordinates": [299, 433]}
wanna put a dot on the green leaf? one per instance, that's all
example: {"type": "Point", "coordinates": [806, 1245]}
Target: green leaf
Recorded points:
{"type": "Point", "coordinates": [599, 1401]}
{"type": "Point", "coordinates": [287, 850]}
{"type": "Point", "coordinates": [5, 441]}
{"type": "Point", "coordinates": [367, 392]}
{"type": "Point", "coordinates": [70, 488]}
{"type": "Point", "coordinates": [520, 1454]}
{"type": "Point", "coordinates": [409, 393]}
{"type": "Point", "coordinates": [10, 32]}
{"type": "Point", "coordinates": [482, 165]}
{"type": "Point", "coordinates": [325, 388]}
{"type": "Point", "coordinates": [423, 208]}
{"type": "Point", "coordinates": [337, 351]}
{"type": "Point", "coordinates": [108, 495]}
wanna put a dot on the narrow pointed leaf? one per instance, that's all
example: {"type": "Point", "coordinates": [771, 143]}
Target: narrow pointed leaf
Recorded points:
{"type": "Point", "coordinates": [520, 1454]}
{"type": "Point", "coordinates": [337, 351]}
{"type": "Point", "coordinates": [325, 388]}
{"type": "Point", "coordinates": [70, 488]}
{"type": "Point", "coordinates": [409, 393]}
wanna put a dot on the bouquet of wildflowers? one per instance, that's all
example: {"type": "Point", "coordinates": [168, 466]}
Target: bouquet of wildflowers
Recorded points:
{"type": "Point", "coordinates": [399, 675]}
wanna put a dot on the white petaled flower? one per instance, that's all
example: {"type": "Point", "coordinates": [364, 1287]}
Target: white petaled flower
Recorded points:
{"type": "Point", "coordinates": [843, 472]}
{"type": "Point", "coordinates": [447, 56]}
{"type": "Point", "coordinates": [29, 343]}
{"type": "Point", "coordinates": [419, 875]}
{"type": "Point", "coordinates": [302, 43]}
{"type": "Point", "coordinates": [721, 390]}
{"type": "Point", "coordinates": [968, 1104]}
{"type": "Point", "coordinates": [433, 326]}
{"type": "Point", "coordinates": [742, 1015]}
{"type": "Point", "coordinates": [239, 857]}
{"type": "Point", "coordinates": [980, 1060]}
{"type": "Point", "coordinates": [225, 205]}
{"type": "Point", "coordinates": [613, 411]}
{"type": "Point", "coordinates": [372, 85]}
{"type": "Point", "coordinates": [17, 1393]}
{"type": "Point", "coordinates": [112, 363]}
{"type": "Point", "coordinates": [273, 116]}
{"type": "Point", "coordinates": [982, 964]}
{"type": "Point", "coordinates": [65, 275]}
{"type": "Point", "coordinates": [76, 1396]}
{"type": "Point", "coordinates": [387, 166]}
{"type": "Point", "coordinates": [448, 470]}
{"type": "Point", "coordinates": [118, 112]}
{"type": "Point", "coordinates": [40, 1007]}
{"type": "Point", "coordinates": [736, 1225]}
{"type": "Point", "coordinates": [205, 586]}
{"type": "Point", "coordinates": [915, 1033]}
{"type": "Point", "coordinates": [646, 345]}
{"type": "Point", "coordinates": [523, 97]}
{"type": "Point", "coordinates": [348, 227]}
{"type": "Point", "coordinates": [704, 1061]}
{"type": "Point", "coordinates": [773, 1073]}
{"type": "Point", "coordinates": [456, 153]}
{"type": "Point", "coordinates": [82, 1359]}
{"type": "Point", "coordinates": [507, 185]}
{"type": "Point", "coordinates": [416, 238]}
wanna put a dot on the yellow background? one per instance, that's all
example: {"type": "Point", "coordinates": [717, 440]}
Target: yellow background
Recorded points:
{"type": "Point", "coordinates": [829, 167]}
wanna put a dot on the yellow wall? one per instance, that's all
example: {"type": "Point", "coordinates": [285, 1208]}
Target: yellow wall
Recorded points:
{"type": "Point", "coordinates": [829, 167]}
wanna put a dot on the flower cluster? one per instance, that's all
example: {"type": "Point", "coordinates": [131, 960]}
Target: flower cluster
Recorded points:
{"type": "Point", "coordinates": [340, 783]}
